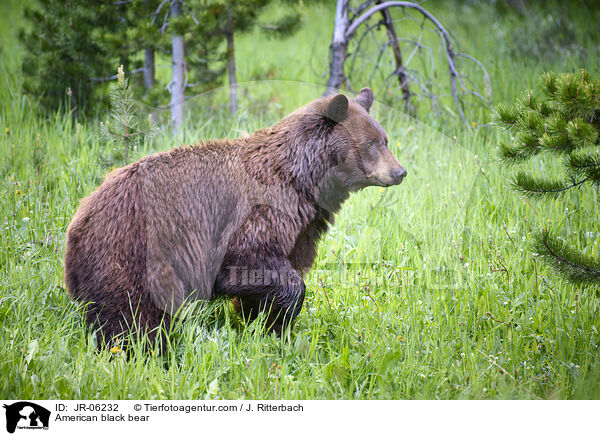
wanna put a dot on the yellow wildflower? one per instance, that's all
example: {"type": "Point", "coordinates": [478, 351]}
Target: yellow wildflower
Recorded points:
{"type": "Point", "coordinates": [115, 350]}
{"type": "Point", "coordinates": [474, 124]}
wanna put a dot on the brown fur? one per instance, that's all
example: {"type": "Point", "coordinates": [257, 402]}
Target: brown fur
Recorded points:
{"type": "Point", "coordinates": [235, 218]}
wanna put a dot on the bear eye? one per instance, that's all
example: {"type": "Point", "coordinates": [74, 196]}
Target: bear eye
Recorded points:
{"type": "Point", "coordinates": [372, 144]}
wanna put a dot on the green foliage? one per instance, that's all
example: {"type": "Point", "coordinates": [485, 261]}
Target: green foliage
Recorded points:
{"type": "Point", "coordinates": [562, 120]}
{"type": "Point", "coordinates": [552, 36]}
{"type": "Point", "coordinates": [507, 116]}
{"type": "Point", "coordinates": [62, 52]}
{"type": "Point", "coordinates": [284, 26]}
{"type": "Point", "coordinates": [72, 46]}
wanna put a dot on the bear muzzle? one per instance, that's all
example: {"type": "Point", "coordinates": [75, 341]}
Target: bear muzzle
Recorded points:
{"type": "Point", "coordinates": [387, 171]}
{"type": "Point", "coordinates": [397, 175]}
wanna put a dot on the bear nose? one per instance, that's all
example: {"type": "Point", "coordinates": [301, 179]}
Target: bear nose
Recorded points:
{"type": "Point", "coordinates": [398, 174]}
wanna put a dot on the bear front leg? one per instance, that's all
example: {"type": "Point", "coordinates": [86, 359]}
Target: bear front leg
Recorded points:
{"type": "Point", "coordinates": [273, 287]}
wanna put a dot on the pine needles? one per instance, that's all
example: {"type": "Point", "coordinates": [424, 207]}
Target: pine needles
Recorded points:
{"type": "Point", "coordinates": [570, 262]}
{"type": "Point", "coordinates": [560, 121]}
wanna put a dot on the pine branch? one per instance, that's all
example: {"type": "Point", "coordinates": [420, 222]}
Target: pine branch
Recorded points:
{"type": "Point", "coordinates": [283, 27]}
{"type": "Point", "coordinates": [514, 154]}
{"type": "Point", "coordinates": [557, 143]}
{"type": "Point", "coordinates": [562, 120]}
{"type": "Point", "coordinates": [576, 95]}
{"type": "Point", "coordinates": [573, 264]}
{"type": "Point", "coordinates": [585, 165]}
{"type": "Point", "coordinates": [581, 133]}
{"type": "Point", "coordinates": [533, 187]}
{"type": "Point", "coordinates": [506, 115]}
{"type": "Point", "coordinates": [547, 82]}
{"type": "Point", "coordinates": [531, 121]}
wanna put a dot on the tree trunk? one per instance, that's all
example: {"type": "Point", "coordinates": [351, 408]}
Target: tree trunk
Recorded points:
{"type": "Point", "coordinates": [177, 83]}
{"type": "Point", "coordinates": [339, 45]}
{"type": "Point", "coordinates": [149, 68]}
{"type": "Point", "coordinates": [231, 64]}
{"type": "Point", "coordinates": [402, 77]}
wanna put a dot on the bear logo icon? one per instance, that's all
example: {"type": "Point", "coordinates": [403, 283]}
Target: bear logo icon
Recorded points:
{"type": "Point", "coordinates": [24, 414]}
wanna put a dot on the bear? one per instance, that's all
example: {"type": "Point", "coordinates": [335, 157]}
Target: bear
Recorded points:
{"type": "Point", "coordinates": [236, 219]}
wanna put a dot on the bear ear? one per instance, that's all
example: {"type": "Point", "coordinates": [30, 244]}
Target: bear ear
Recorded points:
{"type": "Point", "coordinates": [365, 98]}
{"type": "Point", "coordinates": [338, 108]}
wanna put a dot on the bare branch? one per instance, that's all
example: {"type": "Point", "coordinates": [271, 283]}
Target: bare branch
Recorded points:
{"type": "Point", "coordinates": [393, 41]}
{"type": "Point", "coordinates": [359, 43]}
{"type": "Point", "coordinates": [448, 46]}
{"type": "Point", "coordinates": [194, 19]}
{"type": "Point", "coordinates": [358, 10]}
{"type": "Point", "coordinates": [165, 23]}
{"type": "Point", "coordinates": [158, 10]}
{"type": "Point", "coordinates": [418, 45]}
{"type": "Point", "coordinates": [486, 76]}
{"type": "Point", "coordinates": [359, 40]}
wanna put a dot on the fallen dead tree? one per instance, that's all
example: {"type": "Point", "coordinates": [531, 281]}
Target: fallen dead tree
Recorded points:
{"type": "Point", "coordinates": [359, 48]}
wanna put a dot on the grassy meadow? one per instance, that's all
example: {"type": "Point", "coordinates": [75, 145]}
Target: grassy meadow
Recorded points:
{"type": "Point", "coordinates": [426, 290]}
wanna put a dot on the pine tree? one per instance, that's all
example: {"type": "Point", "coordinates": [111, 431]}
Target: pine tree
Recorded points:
{"type": "Point", "coordinates": [561, 121]}
{"type": "Point", "coordinates": [73, 46]}
{"type": "Point", "coordinates": [122, 131]}
{"type": "Point", "coordinates": [137, 30]}
{"type": "Point", "coordinates": [62, 52]}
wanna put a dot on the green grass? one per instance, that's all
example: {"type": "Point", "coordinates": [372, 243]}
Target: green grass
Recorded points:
{"type": "Point", "coordinates": [426, 290]}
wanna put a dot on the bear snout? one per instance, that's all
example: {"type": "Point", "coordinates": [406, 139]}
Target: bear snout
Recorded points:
{"type": "Point", "coordinates": [397, 175]}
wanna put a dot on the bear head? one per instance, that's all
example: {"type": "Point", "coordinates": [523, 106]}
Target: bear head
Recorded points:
{"type": "Point", "coordinates": [358, 147]}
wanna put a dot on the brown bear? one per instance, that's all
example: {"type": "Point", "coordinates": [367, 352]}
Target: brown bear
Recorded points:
{"type": "Point", "coordinates": [229, 218]}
